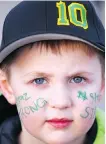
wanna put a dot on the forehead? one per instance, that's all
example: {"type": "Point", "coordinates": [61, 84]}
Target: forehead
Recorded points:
{"type": "Point", "coordinates": [57, 48]}
{"type": "Point", "coordinates": [66, 56]}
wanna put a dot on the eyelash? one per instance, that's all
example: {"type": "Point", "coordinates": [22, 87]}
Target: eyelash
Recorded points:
{"type": "Point", "coordinates": [39, 79]}
{"type": "Point", "coordinates": [83, 79]}
{"type": "Point", "coordinates": [45, 79]}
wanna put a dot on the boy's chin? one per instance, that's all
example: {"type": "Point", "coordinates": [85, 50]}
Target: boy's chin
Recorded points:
{"type": "Point", "coordinates": [57, 139]}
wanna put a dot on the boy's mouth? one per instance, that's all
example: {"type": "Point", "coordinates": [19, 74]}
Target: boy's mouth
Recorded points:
{"type": "Point", "coordinates": [59, 123]}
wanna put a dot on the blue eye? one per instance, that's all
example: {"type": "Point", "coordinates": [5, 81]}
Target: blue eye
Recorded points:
{"type": "Point", "coordinates": [39, 81]}
{"type": "Point", "coordinates": [78, 79]}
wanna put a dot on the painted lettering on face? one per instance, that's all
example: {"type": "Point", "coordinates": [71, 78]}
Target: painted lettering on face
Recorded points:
{"type": "Point", "coordinates": [89, 113]}
{"type": "Point", "coordinates": [25, 111]}
{"type": "Point", "coordinates": [33, 108]}
{"type": "Point", "coordinates": [94, 96]}
{"type": "Point", "coordinates": [21, 113]}
{"type": "Point", "coordinates": [41, 102]}
{"type": "Point", "coordinates": [23, 97]}
{"type": "Point", "coordinates": [84, 96]}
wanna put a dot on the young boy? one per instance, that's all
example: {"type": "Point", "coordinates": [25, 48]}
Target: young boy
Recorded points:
{"type": "Point", "coordinates": [52, 69]}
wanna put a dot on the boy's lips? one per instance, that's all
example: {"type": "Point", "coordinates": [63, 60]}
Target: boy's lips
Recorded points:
{"type": "Point", "coordinates": [60, 123]}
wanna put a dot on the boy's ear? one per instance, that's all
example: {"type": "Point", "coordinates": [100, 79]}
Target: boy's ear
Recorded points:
{"type": "Point", "coordinates": [6, 88]}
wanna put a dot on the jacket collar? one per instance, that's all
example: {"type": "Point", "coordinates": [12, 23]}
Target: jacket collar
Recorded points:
{"type": "Point", "coordinates": [9, 131]}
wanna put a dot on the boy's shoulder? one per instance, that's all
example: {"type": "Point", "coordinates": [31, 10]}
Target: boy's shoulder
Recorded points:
{"type": "Point", "coordinates": [10, 130]}
{"type": "Point", "coordinates": [100, 118]}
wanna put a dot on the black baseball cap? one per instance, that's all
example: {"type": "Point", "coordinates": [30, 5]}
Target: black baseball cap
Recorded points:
{"type": "Point", "coordinates": [32, 21]}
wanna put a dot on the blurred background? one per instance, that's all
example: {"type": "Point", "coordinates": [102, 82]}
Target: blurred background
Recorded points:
{"type": "Point", "coordinates": [6, 6]}
{"type": "Point", "coordinates": [100, 9]}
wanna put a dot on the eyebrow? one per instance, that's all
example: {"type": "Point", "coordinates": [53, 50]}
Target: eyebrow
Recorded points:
{"type": "Point", "coordinates": [39, 74]}
{"type": "Point", "coordinates": [49, 75]}
{"type": "Point", "coordinates": [80, 73]}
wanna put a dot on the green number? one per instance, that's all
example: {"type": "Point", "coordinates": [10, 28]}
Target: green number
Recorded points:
{"type": "Point", "coordinates": [62, 20]}
{"type": "Point", "coordinates": [73, 11]}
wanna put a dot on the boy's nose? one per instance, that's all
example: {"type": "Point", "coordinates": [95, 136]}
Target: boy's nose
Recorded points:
{"type": "Point", "coordinates": [60, 98]}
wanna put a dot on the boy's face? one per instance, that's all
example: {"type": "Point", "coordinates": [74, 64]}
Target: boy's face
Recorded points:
{"type": "Point", "coordinates": [49, 86]}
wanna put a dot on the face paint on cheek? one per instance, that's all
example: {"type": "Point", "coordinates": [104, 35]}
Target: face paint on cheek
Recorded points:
{"type": "Point", "coordinates": [82, 95]}
{"type": "Point", "coordinates": [93, 113]}
{"type": "Point", "coordinates": [24, 111]}
{"type": "Point", "coordinates": [41, 102]}
{"type": "Point", "coordinates": [33, 108]}
{"type": "Point", "coordinates": [21, 113]}
{"type": "Point", "coordinates": [89, 113]}
{"type": "Point", "coordinates": [95, 97]}
{"type": "Point", "coordinates": [23, 97]}
{"type": "Point", "coordinates": [27, 110]}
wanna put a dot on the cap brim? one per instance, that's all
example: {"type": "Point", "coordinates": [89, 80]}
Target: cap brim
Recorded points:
{"type": "Point", "coordinates": [39, 37]}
